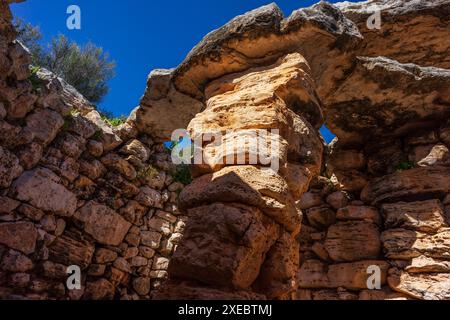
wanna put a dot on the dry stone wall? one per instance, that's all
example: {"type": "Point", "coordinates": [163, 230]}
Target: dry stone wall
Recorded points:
{"type": "Point", "coordinates": [76, 191]}
{"type": "Point", "coordinates": [385, 205]}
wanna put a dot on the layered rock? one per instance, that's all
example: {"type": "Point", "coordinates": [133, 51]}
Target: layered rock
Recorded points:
{"type": "Point", "coordinates": [260, 37]}
{"type": "Point", "coordinates": [75, 190]}
{"type": "Point", "coordinates": [245, 210]}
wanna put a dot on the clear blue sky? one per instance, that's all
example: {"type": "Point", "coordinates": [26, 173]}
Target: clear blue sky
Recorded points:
{"type": "Point", "coordinates": [140, 35]}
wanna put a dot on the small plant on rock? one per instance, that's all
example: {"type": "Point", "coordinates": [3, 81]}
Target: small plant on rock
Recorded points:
{"type": "Point", "coordinates": [406, 165]}
{"type": "Point", "coordinates": [147, 173]}
{"type": "Point", "coordinates": [98, 135]}
{"type": "Point", "coordinates": [36, 82]}
{"type": "Point", "coordinates": [110, 119]}
{"type": "Point", "coordinates": [182, 174]}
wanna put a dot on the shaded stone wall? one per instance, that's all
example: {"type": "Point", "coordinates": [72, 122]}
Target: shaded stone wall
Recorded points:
{"type": "Point", "coordinates": [391, 209]}
{"type": "Point", "coordinates": [76, 191]}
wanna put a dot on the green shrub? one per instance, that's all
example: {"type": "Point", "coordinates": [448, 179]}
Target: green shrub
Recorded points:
{"type": "Point", "coordinates": [109, 117]}
{"type": "Point", "coordinates": [86, 67]}
{"type": "Point", "coordinates": [36, 82]}
{"type": "Point", "coordinates": [117, 121]}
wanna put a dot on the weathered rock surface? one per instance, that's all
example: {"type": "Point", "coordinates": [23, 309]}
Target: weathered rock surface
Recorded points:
{"type": "Point", "coordinates": [411, 31]}
{"type": "Point", "coordinates": [277, 278]}
{"type": "Point", "coordinates": [161, 102]}
{"type": "Point", "coordinates": [76, 190]}
{"type": "Point", "coordinates": [264, 189]}
{"type": "Point", "coordinates": [20, 236]}
{"type": "Point", "coordinates": [409, 184]}
{"type": "Point", "coordinates": [103, 224]}
{"type": "Point", "coordinates": [69, 250]}
{"type": "Point", "coordinates": [363, 213]}
{"type": "Point", "coordinates": [425, 216]}
{"type": "Point", "coordinates": [385, 97]}
{"type": "Point", "coordinates": [354, 276]}
{"type": "Point", "coordinates": [42, 189]}
{"type": "Point", "coordinates": [9, 168]}
{"type": "Point", "coordinates": [407, 244]}
{"type": "Point", "coordinates": [434, 286]}
{"type": "Point", "coordinates": [423, 264]}
{"type": "Point", "coordinates": [224, 245]}
{"type": "Point", "coordinates": [352, 241]}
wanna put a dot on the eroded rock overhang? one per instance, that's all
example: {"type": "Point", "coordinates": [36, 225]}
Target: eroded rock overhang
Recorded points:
{"type": "Point", "coordinates": [368, 80]}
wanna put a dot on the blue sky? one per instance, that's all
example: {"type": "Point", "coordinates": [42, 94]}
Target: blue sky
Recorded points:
{"type": "Point", "coordinates": [140, 35]}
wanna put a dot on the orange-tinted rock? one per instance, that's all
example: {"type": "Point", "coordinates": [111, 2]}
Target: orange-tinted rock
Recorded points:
{"type": "Point", "coordinates": [315, 274]}
{"type": "Point", "coordinates": [434, 286]}
{"type": "Point", "coordinates": [224, 245]}
{"type": "Point", "coordinates": [424, 216]}
{"type": "Point", "coordinates": [407, 244]}
{"type": "Point", "coordinates": [277, 278]}
{"type": "Point", "coordinates": [264, 189]}
{"type": "Point", "coordinates": [352, 241]}
{"type": "Point", "coordinates": [363, 213]}
{"type": "Point", "coordinates": [408, 184]}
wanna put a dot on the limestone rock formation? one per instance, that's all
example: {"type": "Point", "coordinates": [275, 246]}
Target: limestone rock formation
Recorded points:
{"type": "Point", "coordinates": [265, 230]}
{"type": "Point", "coordinates": [75, 190]}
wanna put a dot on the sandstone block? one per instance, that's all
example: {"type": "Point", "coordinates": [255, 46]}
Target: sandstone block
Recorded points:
{"type": "Point", "coordinates": [363, 213]}
{"type": "Point", "coordinates": [42, 189]}
{"type": "Point", "coordinates": [45, 125]}
{"type": "Point", "coordinates": [407, 244]}
{"type": "Point", "coordinates": [352, 241]}
{"type": "Point", "coordinates": [409, 184]}
{"type": "Point", "coordinates": [435, 286]}
{"type": "Point", "coordinates": [71, 249]}
{"type": "Point", "coordinates": [224, 245]}
{"type": "Point", "coordinates": [103, 224]}
{"type": "Point", "coordinates": [424, 216]}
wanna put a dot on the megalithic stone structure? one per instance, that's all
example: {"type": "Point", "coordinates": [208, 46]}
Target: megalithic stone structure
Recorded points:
{"type": "Point", "coordinates": [75, 190]}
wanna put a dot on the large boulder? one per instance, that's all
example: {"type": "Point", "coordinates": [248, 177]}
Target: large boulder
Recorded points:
{"type": "Point", "coordinates": [352, 241]}
{"type": "Point", "coordinates": [224, 245]}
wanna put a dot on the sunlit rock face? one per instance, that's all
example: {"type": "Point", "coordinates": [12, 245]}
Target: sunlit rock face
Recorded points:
{"type": "Point", "coordinates": [247, 211]}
